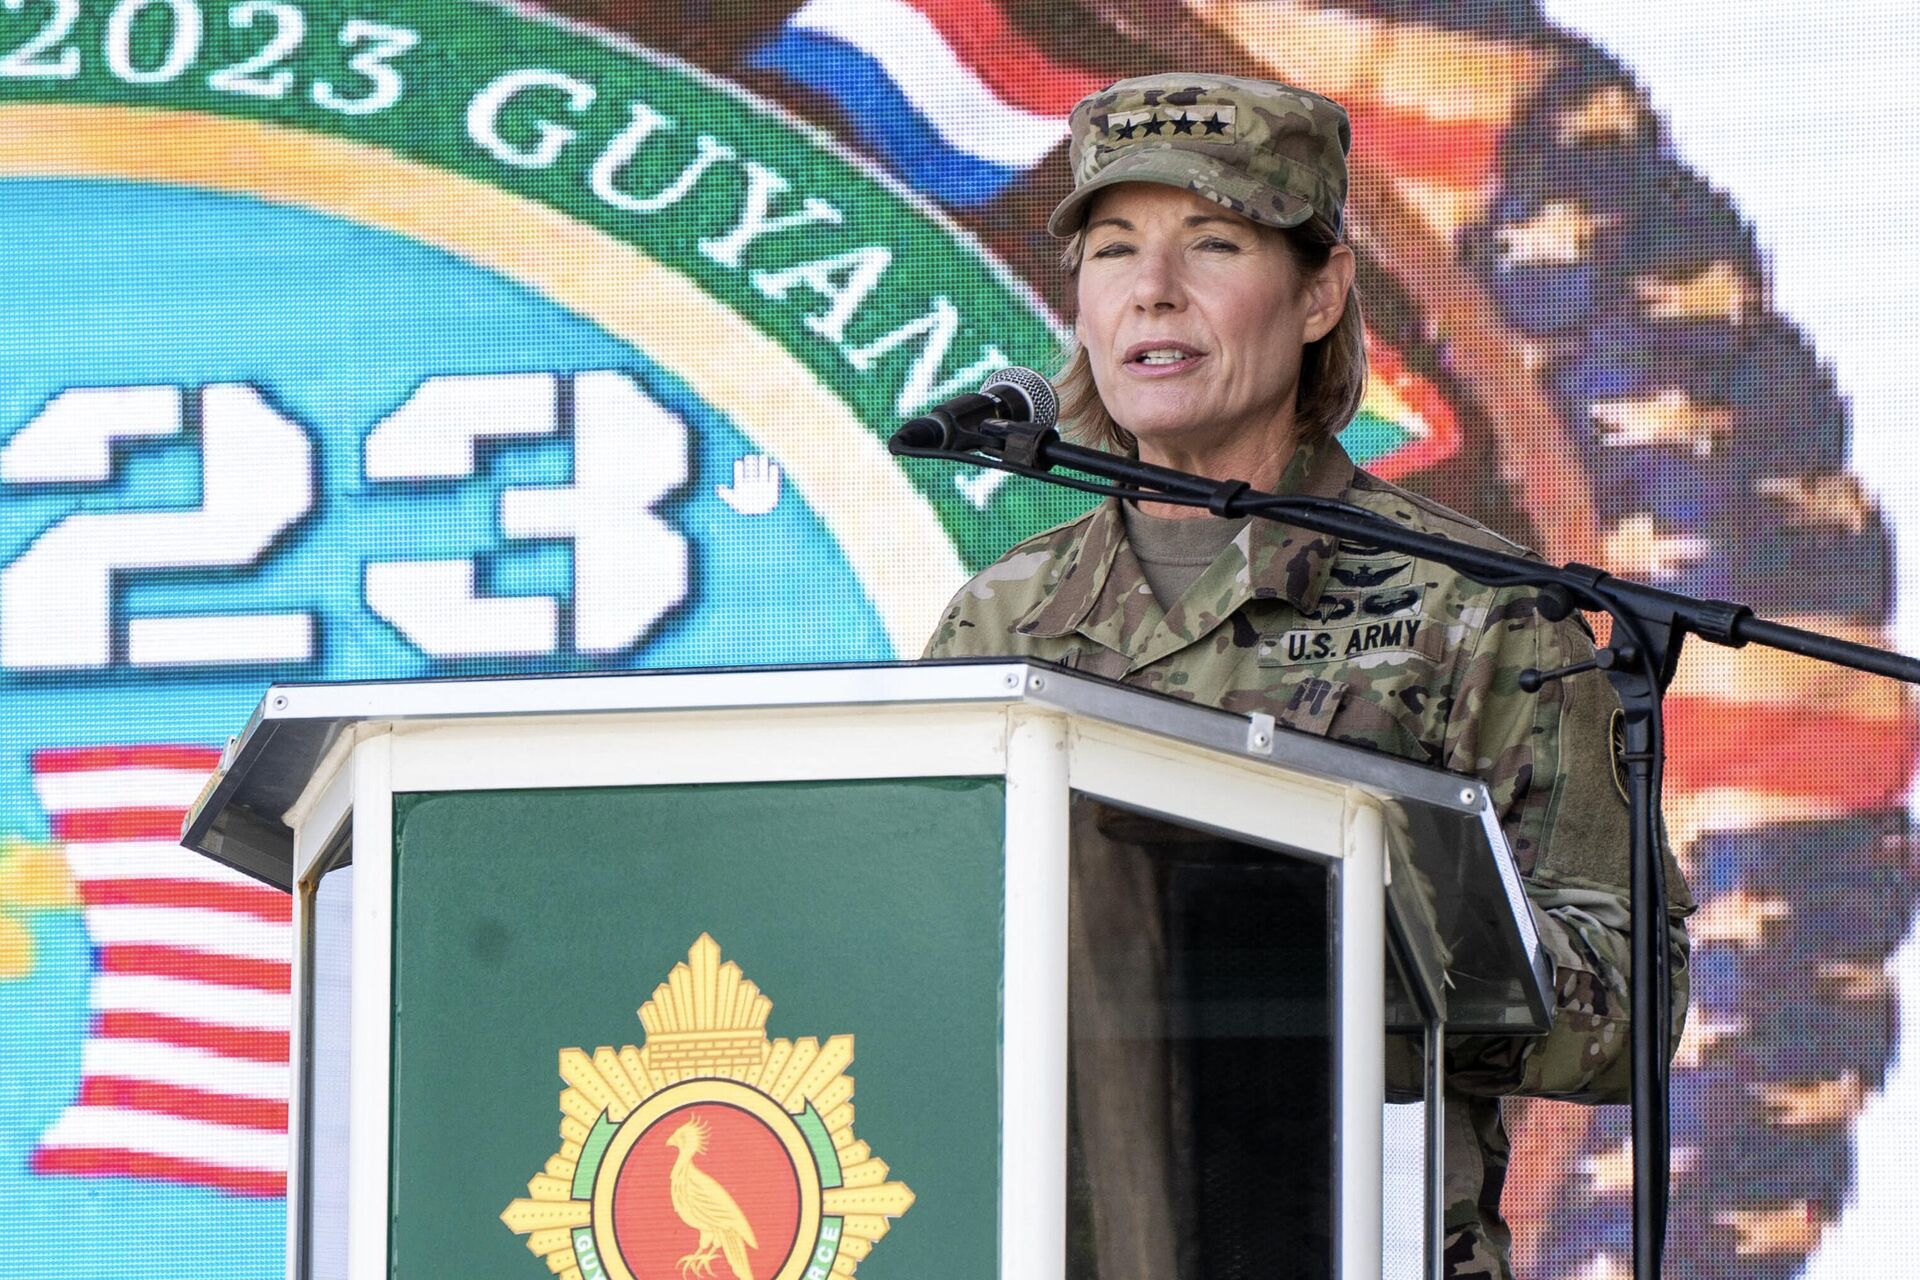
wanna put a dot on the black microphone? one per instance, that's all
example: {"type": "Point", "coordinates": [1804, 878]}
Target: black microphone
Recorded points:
{"type": "Point", "coordinates": [1013, 395]}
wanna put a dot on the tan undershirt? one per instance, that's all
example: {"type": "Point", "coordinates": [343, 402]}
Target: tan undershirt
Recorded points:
{"type": "Point", "coordinates": [1174, 553]}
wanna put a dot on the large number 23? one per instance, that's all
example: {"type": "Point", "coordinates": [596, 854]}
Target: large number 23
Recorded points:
{"type": "Point", "coordinates": [56, 599]}
{"type": "Point", "coordinates": [629, 567]}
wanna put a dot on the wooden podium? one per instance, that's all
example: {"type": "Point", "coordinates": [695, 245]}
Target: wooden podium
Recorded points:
{"type": "Point", "coordinates": [1114, 972]}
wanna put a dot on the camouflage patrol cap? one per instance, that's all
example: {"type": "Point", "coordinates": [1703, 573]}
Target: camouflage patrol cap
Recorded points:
{"type": "Point", "coordinates": [1267, 151]}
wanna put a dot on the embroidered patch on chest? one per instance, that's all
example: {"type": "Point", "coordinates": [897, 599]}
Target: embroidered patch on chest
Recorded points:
{"type": "Point", "coordinates": [1341, 643]}
{"type": "Point", "coordinates": [1365, 606]}
{"type": "Point", "coordinates": [1371, 573]}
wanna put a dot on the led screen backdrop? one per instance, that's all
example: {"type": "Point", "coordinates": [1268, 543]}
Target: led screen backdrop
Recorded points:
{"type": "Point", "coordinates": [415, 337]}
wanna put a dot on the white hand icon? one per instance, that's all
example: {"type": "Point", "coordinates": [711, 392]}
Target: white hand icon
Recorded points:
{"type": "Point", "coordinates": [756, 485]}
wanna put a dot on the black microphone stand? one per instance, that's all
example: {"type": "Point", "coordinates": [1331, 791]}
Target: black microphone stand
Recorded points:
{"type": "Point", "coordinates": [1649, 625]}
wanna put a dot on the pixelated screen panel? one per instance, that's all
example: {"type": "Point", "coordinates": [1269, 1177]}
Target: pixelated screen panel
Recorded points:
{"type": "Point", "coordinates": [395, 339]}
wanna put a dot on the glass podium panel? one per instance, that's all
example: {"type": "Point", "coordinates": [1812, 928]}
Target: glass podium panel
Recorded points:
{"type": "Point", "coordinates": [1496, 979]}
{"type": "Point", "coordinates": [1201, 1075]}
{"type": "Point", "coordinates": [329, 1050]}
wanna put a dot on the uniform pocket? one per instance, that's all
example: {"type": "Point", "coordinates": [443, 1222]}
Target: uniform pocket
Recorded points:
{"type": "Point", "coordinates": [1311, 706]}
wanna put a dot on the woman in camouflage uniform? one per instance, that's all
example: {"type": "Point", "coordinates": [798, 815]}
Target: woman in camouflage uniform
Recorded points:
{"type": "Point", "coordinates": [1217, 331]}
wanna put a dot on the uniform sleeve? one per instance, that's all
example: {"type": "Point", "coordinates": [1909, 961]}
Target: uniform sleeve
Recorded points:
{"type": "Point", "coordinates": [978, 621]}
{"type": "Point", "coordinates": [1548, 761]}
{"type": "Point", "coordinates": [965, 630]}
{"type": "Point", "coordinates": [959, 634]}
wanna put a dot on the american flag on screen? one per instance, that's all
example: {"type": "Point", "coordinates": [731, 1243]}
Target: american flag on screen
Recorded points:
{"type": "Point", "coordinates": [184, 1074]}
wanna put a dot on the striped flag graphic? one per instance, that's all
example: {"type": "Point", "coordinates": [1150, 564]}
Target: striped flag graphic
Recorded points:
{"type": "Point", "coordinates": [948, 92]}
{"type": "Point", "coordinates": [184, 1073]}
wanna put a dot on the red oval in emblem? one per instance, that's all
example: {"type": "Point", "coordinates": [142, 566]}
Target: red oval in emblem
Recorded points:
{"type": "Point", "coordinates": [707, 1191]}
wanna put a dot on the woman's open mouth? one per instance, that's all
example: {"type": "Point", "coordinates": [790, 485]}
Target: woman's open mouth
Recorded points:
{"type": "Point", "coordinates": [1161, 359]}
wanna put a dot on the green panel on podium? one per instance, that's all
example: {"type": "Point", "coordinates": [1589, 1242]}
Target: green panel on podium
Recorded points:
{"type": "Point", "coordinates": [532, 922]}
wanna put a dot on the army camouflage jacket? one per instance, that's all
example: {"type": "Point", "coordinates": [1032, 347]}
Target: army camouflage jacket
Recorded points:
{"type": "Point", "coordinates": [1406, 656]}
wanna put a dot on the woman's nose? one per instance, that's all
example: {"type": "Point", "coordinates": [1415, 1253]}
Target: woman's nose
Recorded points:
{"type": "Point", "coordinates": [1156, 283]}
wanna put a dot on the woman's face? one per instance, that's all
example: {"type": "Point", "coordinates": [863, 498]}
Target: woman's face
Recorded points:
{"type": "Point", "coordinates": [1194, 319]}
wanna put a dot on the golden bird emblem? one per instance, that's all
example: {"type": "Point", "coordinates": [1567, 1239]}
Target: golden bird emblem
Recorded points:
{"type": "Point", "coordinates": [707, 1207]}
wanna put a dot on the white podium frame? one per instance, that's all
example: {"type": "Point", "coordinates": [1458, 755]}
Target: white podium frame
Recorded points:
{"type": "Point", "coordinates": [1047, 732]}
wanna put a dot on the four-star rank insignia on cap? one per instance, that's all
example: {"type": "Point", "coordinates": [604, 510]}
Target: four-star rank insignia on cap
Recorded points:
{"type": "Point", "coordinates": [711, 1151]}
{"type": "Point", "coordinates": [1168, 122]}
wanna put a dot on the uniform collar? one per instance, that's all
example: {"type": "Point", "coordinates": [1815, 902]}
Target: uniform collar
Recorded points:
{"type": "Point", "coordinates": [1274, 561]}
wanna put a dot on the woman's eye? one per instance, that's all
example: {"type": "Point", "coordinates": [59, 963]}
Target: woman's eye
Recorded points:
{"type": "Point", "coordinates": [1213, 245]}
{"type": "Point", "coordinates": [1112, 250]}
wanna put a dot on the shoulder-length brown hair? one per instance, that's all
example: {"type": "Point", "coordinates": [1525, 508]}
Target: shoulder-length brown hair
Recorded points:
{"type": "Point", "coordinates": [1333, 370]}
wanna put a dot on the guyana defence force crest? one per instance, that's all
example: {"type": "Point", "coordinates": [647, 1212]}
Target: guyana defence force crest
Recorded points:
{"type": "Point", "coordinates": [710, 1150]}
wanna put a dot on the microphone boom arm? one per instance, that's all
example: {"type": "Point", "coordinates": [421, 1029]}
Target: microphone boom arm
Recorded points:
{"type": "Point", "coordinates": [1643, 653]}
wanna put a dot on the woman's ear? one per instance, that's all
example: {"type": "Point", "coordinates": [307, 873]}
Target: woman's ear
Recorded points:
{"type": "Point", "coordinates": [1329, 288]}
